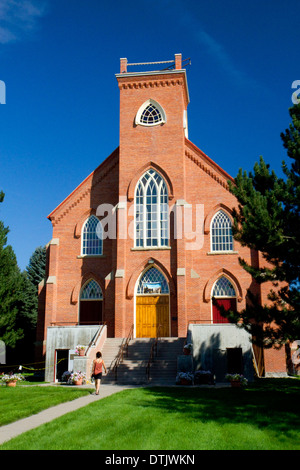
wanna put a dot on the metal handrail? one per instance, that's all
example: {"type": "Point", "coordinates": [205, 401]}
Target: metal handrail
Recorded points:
{"type": "Point", "coordinates": [153, 352]}
{"type": "Point", "coordinates": [120, 356]}
{"type": "Point", "coordinates": [94, 340]}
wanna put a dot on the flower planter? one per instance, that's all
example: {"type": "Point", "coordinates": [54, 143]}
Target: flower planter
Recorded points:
{"type": "Point", "coordinates": [81, 352]}
{"type": "Point", "coordinates": [11, 383]}
{"type": "Point", "coordinates": [78, 382]}
{"type": "Point", "coordinates": [185, 382]}
{"type": "Point", "coordinates": [235, 384]}
{"type": "Point", "coordinates": [204, 379]}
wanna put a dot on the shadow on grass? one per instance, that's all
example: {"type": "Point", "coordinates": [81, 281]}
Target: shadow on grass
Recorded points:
{"type": "Point", "coordinates": [273, 403]}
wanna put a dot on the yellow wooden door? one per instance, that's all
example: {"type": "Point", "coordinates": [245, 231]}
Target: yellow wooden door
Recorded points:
{"type": "Point", "coordinates": [152, 311]}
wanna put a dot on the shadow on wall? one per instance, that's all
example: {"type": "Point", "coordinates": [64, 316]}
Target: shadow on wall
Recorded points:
{"type": "Point", "coordinates": [214, 354]}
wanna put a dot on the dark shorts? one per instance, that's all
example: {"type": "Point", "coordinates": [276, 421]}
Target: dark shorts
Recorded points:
{"type": "Point", "coordinates": [98, 376]}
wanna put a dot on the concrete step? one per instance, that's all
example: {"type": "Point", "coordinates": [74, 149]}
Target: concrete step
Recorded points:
{"type": "Point", "coordinates": [133, 368]}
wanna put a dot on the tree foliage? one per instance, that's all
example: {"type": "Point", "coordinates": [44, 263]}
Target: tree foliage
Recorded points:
{"type": "Point", "coordinates": [19, 296]}
{"type": "Point", "coordinates": [10, 290]}
{"type": "Point", "coordinates": [267, 220]}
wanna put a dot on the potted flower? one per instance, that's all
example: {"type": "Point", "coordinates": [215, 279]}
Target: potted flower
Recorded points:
{"type": "Point", "coordinates": [187, 349]}
{"type": "Point", "coordinates": [184, 378]}
{"type": "Point", "coordinates": [77, 378]}
{"type": "Point", "coordinates": [204, 377]}
{"type": "Point", "coordinates": [80, 350]}
{"type": "Point", "coordinates": [11, 379]}
{"type": "Point", "coordinates": [236, 380]}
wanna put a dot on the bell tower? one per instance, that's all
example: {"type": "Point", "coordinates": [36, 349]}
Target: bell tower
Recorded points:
{"type": "Point", "coordinates": [153, 131]}
{"type": "Point", "coordinates": [153, 120]}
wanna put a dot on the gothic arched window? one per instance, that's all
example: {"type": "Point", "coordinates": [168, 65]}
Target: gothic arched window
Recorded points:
{"type": "Point", "coordinates": [153, 282]}
{"type": "Point", "coordinates": [91, 291]}
{"type": "Point", "coordinates": [150, 114]}
{"type": "Point", "coordinates": [223, 288]}
{"type": "Point", "coordinates": [151, 211]}
{"type": "Point", "coordinates": [221, 232]}
{"type": "Point", "coordinates": [92, 234]}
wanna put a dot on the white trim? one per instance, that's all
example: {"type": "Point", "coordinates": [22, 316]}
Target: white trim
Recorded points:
{"type": "Point", "coordinates": [82, 238]}
{"type": "Point", "coordinates": [159, 207]}
{"type": "Point", "coordinates": [141, 110]}
{"type": "Point", "coordinates": [211, 235]}
{"type": "Point", "coordinates": [224, 296]}
{"type": "Point", "coordinates": [180, 271]}
{"type": "Point", "coordinates": [51, 280]}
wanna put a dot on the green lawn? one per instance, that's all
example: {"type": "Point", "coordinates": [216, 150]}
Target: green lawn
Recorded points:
{"type": "Point", "coordinates": [264, 416]}
{"type": "Point", "coordinates": [24, 400]}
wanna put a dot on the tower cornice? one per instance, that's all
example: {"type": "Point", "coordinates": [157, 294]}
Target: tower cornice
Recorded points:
{"type": "Point", "coordinates": [153, 79]}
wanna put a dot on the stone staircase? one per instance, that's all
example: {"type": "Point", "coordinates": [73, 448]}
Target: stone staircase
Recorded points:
{"type": "Point", "coordinates": [133, 368]}
{"type": "Point", "coordinates": [163, 370]}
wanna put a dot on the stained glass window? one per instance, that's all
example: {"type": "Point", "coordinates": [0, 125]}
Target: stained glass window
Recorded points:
{"type": "Point", "coordinates": [91, 291]}
{"type": "Point", "coordinates": [153, 282]}
{"type": "Point", "coordinates": [221, 233]}
{"type": "Point", "coordinates": [92, 242]}
{"type": "Point", "coordinates": [151, 211]}
{"type": "Point", "coordinates": [223, 288]}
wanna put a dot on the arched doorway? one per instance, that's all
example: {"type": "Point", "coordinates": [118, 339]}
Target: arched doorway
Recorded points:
{"type": "Point", "coordinates": [152, 304]}
{"type": "Point", "coordinates": [225, 296]}
{"type": "Point", "coordinates": [90, 307]}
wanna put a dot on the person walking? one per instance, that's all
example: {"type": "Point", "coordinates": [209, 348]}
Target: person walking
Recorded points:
{"type": "Point", "coordinates": [98, 365]}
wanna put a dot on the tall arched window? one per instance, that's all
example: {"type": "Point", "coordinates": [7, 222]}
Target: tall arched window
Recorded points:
{"type": "Point", "coordinates": [224, 295]}
{"type": "Point", "coordinates": [151, 211]}
{"type": "Point", "coordinates": [221, 233]}
{"type": "Point", "coordinates": [92, 234]}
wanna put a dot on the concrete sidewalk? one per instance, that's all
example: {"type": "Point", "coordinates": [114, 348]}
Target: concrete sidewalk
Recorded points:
{"type": "Point", "coordinates": [9, 431]}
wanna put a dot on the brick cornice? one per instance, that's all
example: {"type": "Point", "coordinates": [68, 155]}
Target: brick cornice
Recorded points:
{"type": "Point", "coordinates": [154, 80]}
{"type": "Point", "coordinates": [206, 164]}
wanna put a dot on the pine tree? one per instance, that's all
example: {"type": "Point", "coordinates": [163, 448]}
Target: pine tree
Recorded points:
{"type": "Point", "coordinates": [268, 220]}
{"type": "Point", "coordinates": [10, 290]}
{"type": "Point", "coordinates": [33, 275]}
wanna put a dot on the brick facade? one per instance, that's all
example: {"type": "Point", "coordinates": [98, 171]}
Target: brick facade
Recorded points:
{"type": "Point", "coordinates": [194, 182]}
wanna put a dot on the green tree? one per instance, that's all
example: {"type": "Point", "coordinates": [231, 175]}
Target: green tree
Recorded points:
{"type": "Point", "coordinates": [267, 220]}
{"type": "Point", "coordinates": [33, 275]}
{"type": "Point", "coordinates": [10, 290]}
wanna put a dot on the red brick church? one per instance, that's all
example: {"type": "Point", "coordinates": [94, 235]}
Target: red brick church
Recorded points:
{"type": "Point", "coordinates": [145, 240]}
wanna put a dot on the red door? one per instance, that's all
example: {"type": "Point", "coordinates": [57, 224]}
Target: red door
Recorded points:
{"type": "Point", "coordinates": [228, 304]}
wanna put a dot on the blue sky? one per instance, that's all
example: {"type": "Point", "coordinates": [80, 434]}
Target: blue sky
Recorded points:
{"type": "Point", "coordinates": [58, 59]}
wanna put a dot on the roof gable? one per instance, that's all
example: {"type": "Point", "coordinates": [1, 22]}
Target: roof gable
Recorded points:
{"type": "Point", "coordinates": [207, 164]}
{"type": "Point", "coordinates": [85, 187]}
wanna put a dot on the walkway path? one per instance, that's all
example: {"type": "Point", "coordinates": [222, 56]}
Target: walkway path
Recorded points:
{"type": "Point", "coordinates": [11, 430]}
